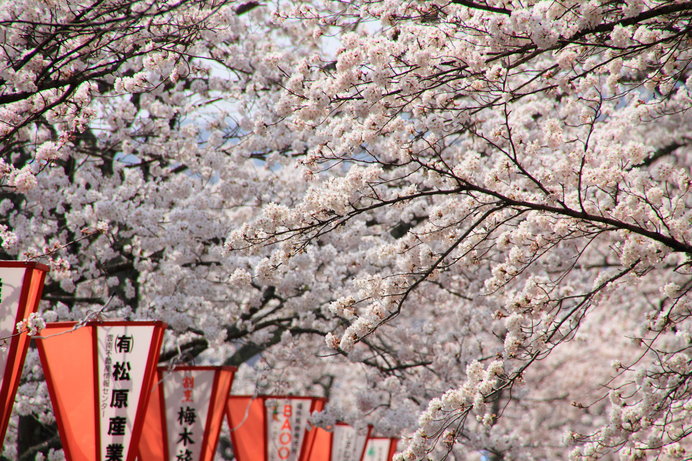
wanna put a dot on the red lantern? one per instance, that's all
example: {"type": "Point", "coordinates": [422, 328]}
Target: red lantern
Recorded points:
{"type": "Point", "coordinates": [380, 449]}
{"type": "Point", "coordinates": [21, 284]}
{"type": "Point", "coordinates": [185, 413]}
{"type": "Point", "coordinates": [341, 443]}
{"type": "Point", "coordinates": [99, 376]}
{"type": "Point", "coordinates": [272, 428]}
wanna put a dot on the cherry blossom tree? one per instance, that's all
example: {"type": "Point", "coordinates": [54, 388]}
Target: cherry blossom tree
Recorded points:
{"type": "Point", "coordinates": [466, 222]}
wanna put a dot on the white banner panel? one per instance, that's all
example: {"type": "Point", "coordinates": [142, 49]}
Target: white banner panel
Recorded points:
{"type": "Point", "coordinates": [287, 421]}
{"type": "Point", "coordinates": [11, 279]}
{"type": "Point", "coordinates": [377, 450]}
{"type": "Point", "coordinates": [122, 355]}
{"type": "Point", "coordinates": [347, 443]}
{"type": "Point", "coordinates": [187, 407]}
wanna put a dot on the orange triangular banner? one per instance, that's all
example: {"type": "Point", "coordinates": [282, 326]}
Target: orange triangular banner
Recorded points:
{"type": "Point", "coordinates": [185, 413]}
{"type": "Point", "coordinates": [271, 427]}
{"type": "Point", "coordinates": [341, 443]}
{"type": "Point", "coordinates": [99, 376]}
{"type": "Point", "coordinates": [21, 284]}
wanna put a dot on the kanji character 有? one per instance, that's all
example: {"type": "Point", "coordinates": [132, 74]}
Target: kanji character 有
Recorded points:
{"type": "Point", "coordinates": [123, 343]}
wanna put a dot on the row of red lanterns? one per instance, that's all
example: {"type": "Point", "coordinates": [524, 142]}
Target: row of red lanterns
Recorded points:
{"type": "Point", "coordinates": [112, 403]}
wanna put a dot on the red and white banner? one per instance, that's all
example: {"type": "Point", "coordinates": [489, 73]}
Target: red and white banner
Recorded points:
{"type": "Point", "coordinates": [185, 413]}
{"type": "Point", "coordinates": [341, 443]}
{"type": "Point", "coordinates": [380, 449]}
{"type": "Point", "coordinates": [21, 284]}
{"type": "Point", "coordinates": [99, 376]}
{"type": "Point", "coordinates": [272, 428]}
